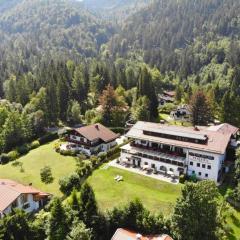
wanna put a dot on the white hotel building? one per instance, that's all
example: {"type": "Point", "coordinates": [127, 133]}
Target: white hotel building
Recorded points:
{"type": "Point", "coordinates": [179, 150]}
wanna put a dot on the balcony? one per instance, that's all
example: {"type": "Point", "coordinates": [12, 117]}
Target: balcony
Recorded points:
{"type": "Point", "coordinates": [158, 150]}
{"type": "Point", "coordinates": [154, 155]}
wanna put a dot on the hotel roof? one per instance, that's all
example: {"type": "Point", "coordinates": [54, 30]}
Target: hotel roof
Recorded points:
{"type": "Point", "coordinates": [123, 234]}
{"type": "Point", "coordinates": [10, 191]}
{"type": "Point", "coordinates": [217, 137]}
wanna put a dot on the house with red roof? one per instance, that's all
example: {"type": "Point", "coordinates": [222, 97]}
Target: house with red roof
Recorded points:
{"type": "Point", "coordinates": [16, 195]}
{"type": "Point", "coordinates": [92, 139]}
{"type": "Point", "coordinates": [124, 234]}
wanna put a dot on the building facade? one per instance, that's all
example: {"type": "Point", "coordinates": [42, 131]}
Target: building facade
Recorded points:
{"type": "Point", "coordinates": [92, 139]}
{"type": "Point", "coordinates": [15, 195]}
{"type": "Point", "coordinates": [179, 150]}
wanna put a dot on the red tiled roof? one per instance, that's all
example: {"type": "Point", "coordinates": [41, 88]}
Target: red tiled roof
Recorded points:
{"type": "Point", "coordinates": [224, 128]}
{"type": "Point", "coordinates": [10, 191]}
{"type": "Point", "coordinates": [170, 93]}
{"type": "Point", "coordinates": [97, 131]}
{"type": "Point", "coordinates": [123, 234]}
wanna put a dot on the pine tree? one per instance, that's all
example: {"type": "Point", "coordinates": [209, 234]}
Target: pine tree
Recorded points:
{"type": "Point", "coordinates": [200, 109]}
{"type": "Point", "coordinates": [108, 101]}
{"type": "Point", "coordinates": [88, 206]}
{"type": "Point", "coordinates": [58, 228]}
{"type": "Point", "coordinates": [230, 102]}
{"type": "Point", "coordinates": [146, 88]}
{"type": "Point", "coordinates": [197, 212]}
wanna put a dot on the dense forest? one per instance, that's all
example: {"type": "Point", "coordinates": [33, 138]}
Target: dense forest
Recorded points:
{"type": "Point", "coordinates": [65, 62]}
{"type": "Point", "coordinates": [36, 31]}
{"type": "Point", "coordinates": [115, 10]}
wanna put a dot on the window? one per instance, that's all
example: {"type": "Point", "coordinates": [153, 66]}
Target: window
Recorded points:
{"type": "Point", "coordinates": [198, 164]}
{"type": "Point", "coordinates": [191, 163]}
{"type": "Point", "coordinates": [209, 167]}
{"type": "Point", "coordinates": [153, 166]}
{"type": "Point", "coordinates": [206, 175]}
{"type": "Point", "coordinates": [203, 165]}
{"type": "Point", "coordinates": [199, 174]}
{"type": "Point", "coordinates": [14, 204]}
{"type": "Point", "coordinates": [145, 163]}
{"type": "Point", "coordinates": [193, 172]}
{"type": "Point", "coordinates": [24, 198]}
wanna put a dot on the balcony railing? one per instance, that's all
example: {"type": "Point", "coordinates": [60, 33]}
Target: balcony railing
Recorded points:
{"type": "Point", "coordinates": [159, 150]}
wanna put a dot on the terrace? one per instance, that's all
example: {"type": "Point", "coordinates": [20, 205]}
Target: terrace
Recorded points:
{"type": "Point", "coordinates": [138, 153]}
{"type": "Point", "coordinates": [178, 152]}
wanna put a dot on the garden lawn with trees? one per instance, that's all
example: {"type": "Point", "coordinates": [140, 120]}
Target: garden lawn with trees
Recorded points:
{"type": "Point", "coordinates": [33, 162]}
{"type": "Point", "coordinates": [157, 196]}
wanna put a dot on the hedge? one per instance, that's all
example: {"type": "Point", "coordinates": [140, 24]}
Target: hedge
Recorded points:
{"type": "Point", "coordinates": [25, 148]}
{"type": "Point", "coordinates": [48, 138]}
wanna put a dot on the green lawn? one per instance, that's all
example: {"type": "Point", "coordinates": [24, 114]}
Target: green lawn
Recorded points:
{"type": "Point", "coordinates": [33, 162]}
{"type": "Point", "coordinates": [234, 224]}
{"type": "Point", "coordinates": [155, 195]}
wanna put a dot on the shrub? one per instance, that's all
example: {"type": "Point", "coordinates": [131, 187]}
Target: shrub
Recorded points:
{"type": "Point", "coordinates": [182, 178]}
{"type": "Point", "coordinates": [16, 163]}
{"type": "Point", "coordinates": [113, 151]}
{"type": "Point", "coordinates": [46, 175]}
{"type": "Point", "coordinates": [5, 158]}
{"type": "Point", "coordinates": [24, 149]}
{"type": "Point", "coordinates": [48, 138]}
{"type": "Point", "coordinates": [95, 160]}
{"type": "Point", "coordinates": [167, 108]}
{"type": "Point", "coordinates": [102, 156]}
{"type": "Point", "coordinates": [67, 184]}
{"type": "Point", "coordinates": [68, 152]}
{"type": "Point", "coordinates": [35, 144]}
{"type": "Point", "coordinates": [119, 130]}
{"type": "Point", "coordinates": [13, 155]}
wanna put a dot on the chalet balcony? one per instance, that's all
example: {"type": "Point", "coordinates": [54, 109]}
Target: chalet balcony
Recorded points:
{"type": "Point", "coordinates": [159, 150]}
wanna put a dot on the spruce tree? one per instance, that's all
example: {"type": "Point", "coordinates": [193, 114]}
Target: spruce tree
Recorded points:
{"type": "Point", "coordinates": [200, 109]}
{"type": "Point", "coordinates": [58, 228]}
{"type": "Point", "coordinates": [146, 88]}
{"type": "Point", "coordinates": [197, 212]}
{"type": "Point", "coordinates": [88, 206]}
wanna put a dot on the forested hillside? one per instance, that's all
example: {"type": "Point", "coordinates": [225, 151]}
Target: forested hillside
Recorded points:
{"type": "Point", "coordinates": [117, 10]}
{"type": "Point", "coordinates": [61, 64]}
{"type": "Point", "coordinates": [37, 30]}
{"type": "Point", "coordinates": [187, 37]}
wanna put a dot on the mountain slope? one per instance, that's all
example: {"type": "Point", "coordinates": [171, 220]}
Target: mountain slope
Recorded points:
{"type": "Point", "coordinates": [36, 29]}
{"type": "Point", "coordinates": [174, 35]}
{"type": "Point", "coordinates": [6, 4]}
{"type": "Point", "coordinates": [115, 9]}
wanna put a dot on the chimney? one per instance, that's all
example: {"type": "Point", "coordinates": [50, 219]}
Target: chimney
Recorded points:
{"type": "Point", "coordinates": [196, 128]}
{"type": "Point", "coordinates": [97, 127]}
{"type": "Point", "coordinates": [138, 236]}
